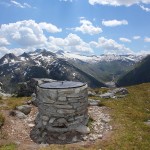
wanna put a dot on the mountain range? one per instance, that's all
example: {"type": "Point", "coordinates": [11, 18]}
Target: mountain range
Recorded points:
{"type": "Point", "coordinates": [95, 70]}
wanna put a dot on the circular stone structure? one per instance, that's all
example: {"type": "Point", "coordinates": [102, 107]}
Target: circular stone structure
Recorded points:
{"type": "Point", "coordinates": [63, 113]}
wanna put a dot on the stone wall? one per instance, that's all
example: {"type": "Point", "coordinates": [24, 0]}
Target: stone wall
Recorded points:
{"type": "Point", "coordinates": [61, 112]}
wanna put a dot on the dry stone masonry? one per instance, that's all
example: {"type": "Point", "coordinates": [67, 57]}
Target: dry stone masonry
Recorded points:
{"type": "Point", "coordinates": [63, 113]}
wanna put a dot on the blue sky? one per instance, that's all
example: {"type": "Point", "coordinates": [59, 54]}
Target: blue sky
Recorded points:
{"type": "Point", "coordinates": [78, 26]}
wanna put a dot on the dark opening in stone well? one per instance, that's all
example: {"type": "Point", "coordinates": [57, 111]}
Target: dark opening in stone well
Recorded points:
{"type": "Point", "coordinates": [63, 113]}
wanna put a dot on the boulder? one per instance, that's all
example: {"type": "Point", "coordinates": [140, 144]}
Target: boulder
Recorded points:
{"type": "Point", "coordinates": [120, 91]}
{"type": "Point", "coordinates": [26, 109]}
{"type": "Point", "coordinates": [20, 115]}
{"type": "Point", "coordinates": [92, 102]}
{"type": "Point", "coordinates": [83, 129]}
{"type": "Point", "coordinates": [107, 95]}
{"type": "Point", "coordinates": [90, 93]}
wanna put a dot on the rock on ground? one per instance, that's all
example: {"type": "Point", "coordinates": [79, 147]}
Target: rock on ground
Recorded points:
{"type": "Point", "coordinates": [26, 109]}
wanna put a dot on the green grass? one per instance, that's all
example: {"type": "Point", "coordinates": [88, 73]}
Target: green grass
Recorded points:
{"type": "Point", "coordinates": [13, 102]}
{"type": "Point", "coordinates": [8, 147]}
{"type": "Point", "coordinates": [129, 115]}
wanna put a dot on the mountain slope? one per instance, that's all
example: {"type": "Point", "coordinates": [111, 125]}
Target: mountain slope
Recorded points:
{"type": "Point", "coordinates": [40, 64]}
{"type": "Point", "coordinates": [140, 74]}
{"type": "Point", "coordinates": [103, 67]}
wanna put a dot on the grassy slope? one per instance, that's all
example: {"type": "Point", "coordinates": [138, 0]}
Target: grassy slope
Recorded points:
{"type": "Point", "coordinates": [140, 74]}
{"type": "Point", "coordinates": [128, 117]}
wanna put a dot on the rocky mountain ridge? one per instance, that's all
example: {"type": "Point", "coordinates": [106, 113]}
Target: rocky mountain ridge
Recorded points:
{"type": "Point", "coordinates": [61, 66]}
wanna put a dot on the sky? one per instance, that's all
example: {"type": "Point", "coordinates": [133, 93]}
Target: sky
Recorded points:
{"type": "Point", "coordinates": [88, 27]}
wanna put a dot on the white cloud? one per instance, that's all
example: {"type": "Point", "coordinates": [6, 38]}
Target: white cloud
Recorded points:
{"type": "Point", "coordinates": [143, 52]}
{"type": "Point", "coordinates": [109, 46]}
{"type": "Point", "coordinates": [118, 2]}
{"type": "Point", "coordinates": [87, 27]}
{"type": "Point", "coordinates": [49, 27]}
{"type": "Point", "coordinates": [72, 43]}
{"type": "Point", "coordinates": [136, 37]}
{"type": "Point", "coordinates": [145, 8]}
{"type": "Point", "coordinates": [26, 33]}
{"type": "Point", "coordinates": [113, 23]}
{"type": "Point", "coordinates": [17, 4]}
{"type": "Point", "coordinates": [3, 42]}
{"type": "Point", "coordinates": [147, 39]}
{"type": "Point", "coordinates": [125, 40]}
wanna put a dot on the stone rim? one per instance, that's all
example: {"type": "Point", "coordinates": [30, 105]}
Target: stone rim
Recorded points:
{"type": "Point", "coordinates": [76, 85]}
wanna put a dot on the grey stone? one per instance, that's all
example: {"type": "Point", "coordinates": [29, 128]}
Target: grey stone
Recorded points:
{"type": "Point", "coordinates": [76, 105]}
{"type": "Point", "coordinates": [65, 111]}
{"type": "Point", "coordinates": [31, 125]}
{"type": "Point", "coordinates": [44, 123]}
{"type": "Point", "coordinates": [121, 91]}
{"type": "Point", "coordinates": [71, 119]}
{"type": "Point", "coordinates": [81, 117]}
{"type": "Point", "coordinates": [77, 90]}
{"type": "Point", "coordinates": [20, 115]}
{"type": "Point", "coordinates": [61, 103]}
{"type": "Point", "coordinates": [107, 95]}
{"type": "Point", "coordinates": [83, 129]}
{"type": "Point", "coordinates": [92, 102]}
{"type": "Point", "coordinates": [26, 109]}
{"type": "Point", "coordinates": [73, 100]}
{"type": "Point", "coordinates": [62, 137]}
{"type": "Point", "coordinates": [62, 120]}
{"type": "Point", "coordinates": [45, 118]}
{"type": "Point", "coordinates": [81, 108]}
{"type": "Point", "coordinates": [48, 101]}
{"type": "Point", "coordinates": [63, 106]}
{"type": "Point", "coordinates": [62, 98]}
{"type": "Point", "coordinates": [90, 93]}
{"type": "Point", "coordinates": [85, 138]}
{"type": "Point", "coordinates": [51, 120]}
{"type": "Point", "coordinates": [106, 120]}
{"type": "Point", "coordinates": [74, 139]}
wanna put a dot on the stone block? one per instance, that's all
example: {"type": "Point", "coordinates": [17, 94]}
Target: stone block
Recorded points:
{"type": "Point", "coordinates": [61, 103]}
{"type": "Point", "coordinates": [45, 118]}
{"type": "Point", "coordinates": [65, 111]}
{"type": "Point", "coordinates": [48, 101]}
{"type": "Point", "coordinates": [76, 105]}
{"type": "Point", "coordinates": [63, 106]}
{"type": "Point", "coordinates": [83, 129]}
{"type": "Point", "coordinates": [62, 99]}
{"type": "Point", "coordinates": [52, 120]}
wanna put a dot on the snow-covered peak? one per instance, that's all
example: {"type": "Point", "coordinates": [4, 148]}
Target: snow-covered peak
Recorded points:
{"type": "Point", "coordinates": [100, 58]}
